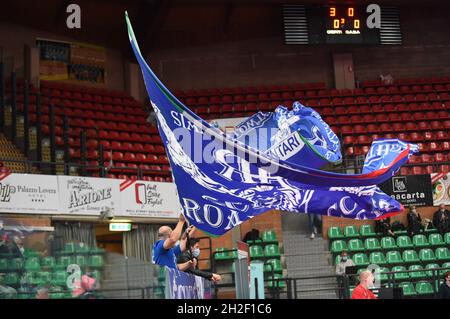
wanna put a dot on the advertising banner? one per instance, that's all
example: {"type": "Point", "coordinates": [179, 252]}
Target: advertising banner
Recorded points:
{"type": "Point", "coordinates": [186, 286]}
{"type": "Point", "coordinates": [148, 199]}
{"type": "Point", "coordinates": [28, 194]}
{"type": "Point", "coordinates": [410, 190]}
{"type": "Point", "coordinates": [88, 195]}
{"type": "Point", "coordinates": [441, 188]}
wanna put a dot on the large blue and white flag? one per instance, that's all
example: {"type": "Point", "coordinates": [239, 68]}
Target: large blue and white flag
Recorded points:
{"type": "Point", "coordinates": [222, 181]}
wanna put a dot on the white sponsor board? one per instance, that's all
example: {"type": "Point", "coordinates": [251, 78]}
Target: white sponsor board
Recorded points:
{"type": "Point", "coordinates": [88, 195]}
{"type": "Point", "coordinates": [441, 188]}
{"type": "Point", "coordinates": [149, 199]}
{"type": "Point", "coordinates": [28, 194]}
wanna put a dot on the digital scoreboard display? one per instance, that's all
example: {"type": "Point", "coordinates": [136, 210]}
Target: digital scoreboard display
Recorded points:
{"type": "Point", "coordinates": [340, 24]}
{"type": "Point", "coordinates": [344, 24]}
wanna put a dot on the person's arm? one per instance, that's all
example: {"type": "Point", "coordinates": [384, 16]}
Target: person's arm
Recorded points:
{"type": "Point", "coordinates": [185, 266]}
{"type": "Point", "coordinates": [189, 232]}
{"type": "Point", "coordinates": [175, 235]}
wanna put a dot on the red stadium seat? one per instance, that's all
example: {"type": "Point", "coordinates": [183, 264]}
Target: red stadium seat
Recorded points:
{"type": "Point", "coordinates": [415, 160]}
{"type": "Point", "coordinates": [423, 126]}
{"type": "Point", "coordinates": [385, 127]}
{"type": "Point", "coordinates": [356, 119]}
{"type": "Point", "coordinates": [398, 127]}
{"type": "Point", "coordinates": [403, 136]}
{"type": "Point", "coordinates": [349, 140]}
{"type": "Point", "coordinates": [390, 108]}
{"type": "Point", "coordinates": [434, 147]}
{"type": "Point", "coordinates": [416, 137]}
{"type": "Point", "coordinates": [444, 169]}
{"type": "Point", "coordinates": [377, 108]}
{"type": "Point", "coordinates": [429, 169]}
{"type": "Point", "coordinates": [346, 129]}
{"type": "Point", "coordinates": [369, 118]}
{"type": "Point", "coordinates": [403, 107]}
{"type": "Point", "coordinates": [439, 157]}
{"type": "Point", "coordinates": [428, 136]}
{"type": "Point", "coordinates": [417, 170]}
{"type": "Point", "coordinates": [445, 146]}
{"type": "Point", "coordinates": [372, 128]}
{"type": "Point", "coordinates": [343, 120]}
{"type": "Point", "coordinates": [405, 171]}
{"type": "Point", "coordinates": [410, 126]}
{"type": "Point", "coordinates": [364, 140]}
{"type": "Point", "coordinates": [359, 129]}
{"type": "Point", "coordinates": [382, 118]}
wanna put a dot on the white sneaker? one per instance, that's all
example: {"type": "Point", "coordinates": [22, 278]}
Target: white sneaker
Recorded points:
{"type": "Point", "coordinates": [312, 236]}
{"type": "Point", "coordinates": [315, 230]}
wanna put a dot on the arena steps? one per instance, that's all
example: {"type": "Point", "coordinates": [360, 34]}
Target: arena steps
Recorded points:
{"type": "Point", "coordinates": [307, 258]}
{"type": "Point", "coordinates": [123, 277]}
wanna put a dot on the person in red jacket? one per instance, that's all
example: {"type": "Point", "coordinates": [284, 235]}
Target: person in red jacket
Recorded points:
{"type": "Point", "coordinates": [362, 290]}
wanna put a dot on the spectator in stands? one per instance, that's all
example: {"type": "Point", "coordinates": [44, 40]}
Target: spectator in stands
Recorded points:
{"type": "Point", "coordinates": [54, 244]}
{"type": "Point", "coordinates": [4, 249]}
{"type": "Point", "coordinates": [344, 262]}
{"type": "Point", "coordinates": [386, 79]}
{"type": "Point", "coordinates": [362, 291]}
{"type": "Point", "coordinates": [444, 289]}
{"type": "Point", "coordinates": [414, 221]}
{"type": "Point", "coordinates": [314, 223]}
{"type": "Point", "coordinates": [188, 262]}
{"type": "Point", "coordinates": [17, 248]}
{"type": "Point", "coordinates": [165, 250]}
{"type": "Point", "coordinates": [42, 293]}
{"type": "Point", "coordinates": [384, 226]}
{"type": "Point", "coordinates": [84, 289]}
{"type": "Point", "coordinates": [441, 219]}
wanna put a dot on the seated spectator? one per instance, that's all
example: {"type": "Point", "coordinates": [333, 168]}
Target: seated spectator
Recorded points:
{"type": "Point", "coordinates": [386, 79]}
{"type": "Point", "coordinates": [165, 250]}
{"type": "Point", "coordinates": [4, 247]}
{"type": "Point", "coordinates": [344, 262]}
{"type": "Point", "coordinates": [17, 248]}
{"type": "Point", "coordinates": [362, 291]}
{"type": "Point", "coordinates": [83, 289]}
{"type": "Point", "coordinates": [188, 262]}
{"type": "Point", "coordinates": [384, 226]}
{"type": "Point", "coordinates": [441, 220]}
{"type": "Point", "coordinates": [444, 289]}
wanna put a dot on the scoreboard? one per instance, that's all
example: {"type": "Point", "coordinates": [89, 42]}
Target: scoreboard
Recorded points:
{"type": "Point", "coordinates": [338, 24]}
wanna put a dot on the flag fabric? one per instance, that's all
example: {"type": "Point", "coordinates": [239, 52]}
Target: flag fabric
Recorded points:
{"type": "Point", "coordinates": [222, 181]}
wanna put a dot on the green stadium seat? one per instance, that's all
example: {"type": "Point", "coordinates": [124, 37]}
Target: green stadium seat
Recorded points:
{"type": "Point", "coordinates": [69, 248]}
{"type": "Point", "coordinates": [30, 253]}
{"type": "Point", "coordinates": [393, 257]}
{"type": "Point", "coordinates": [404, 242]}
{"type": "Point", "coordinates": [96, 261]}
{"type": "Point", "coordinates": [338, 246]}
{"type": "Point", "coordinates": [355, 245]}
{"type": "Point", "coordinates": [446, 267]}
{"type": "Point", "coordinates": [360, 259]}
{"type": "Point", "coordinates": [59, 278]}
{"type": "Point", "coordinates": [335, 233]}
{"type": "Point", "coordinates": [377, 258]}
{"type": "Point", "coordinates": [81, 260]}
{"type": "Point", "coordinates": [3, 264]}
{"type": "Point", "coordinates": [429, 273]}
{"type": "Point", "coordinates": [44, 277]}
{"type": "Point", "coordinates": [32, 264]}
{"type": "Point", "coordinates": [408, 288]}
{"type": "Point", "coordinates": [372, 244]}
{"type": "Point", "coordinates": [410, 256]}
{"type": "Point", "coordinates": [276, 266]}
{"type": "Point", "coordinates": [221, 254]}
{"type": "Point", "coordinates": [11, 279]}
{"type": "Point", "coordinates": [351, 231]}
{"type": "Point", "coordinates": [65, 260]}
{"type": "Point", "coordinates": [399, 272]}
{"type": "Point", "coordinates": [424, 288]}
{"type": "Point", "coordinates": [426, 254]}
{"type": "Point", "coordinates": [15, 264]}
{"type": "Point", "coordinates": [447, 238]}
{"type": "Point", "coordinates": [56, 295]}
{"type": "Point", "coordinates": [337, 259]}
{"type": "Point", "coordinates": [442, 253]}
{"type": "Point", "coordinates": [233, 254]}
{"type": "Point", "coordinates": [382, 271]}
{"type": "Point", "coordinates": [436, 240]}
{"type": "Point", "coordinates": [269, 236]}
{"type": "Point", "coordinates": [82, 248]}
{"type": "Point", "coordinates": [48, 262]}
{"type": "Point", "coordinates": [256, 251]}
{"type": "Point", "coordinates": [416, 274]}
{"type": "Point", "coordinates": [420, 240]}
{"type": "Point", "coordinates": [276, 284]}
{"type": "Point", "coordinates": [388, 243]}
{"type": "Point", "coordinates": [272, 250]}
{"type": "Point", "coordinates": [367, 230]}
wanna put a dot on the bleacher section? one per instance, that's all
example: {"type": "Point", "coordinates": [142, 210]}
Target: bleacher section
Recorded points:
{"type": "Point", "coordinates": [10, 153]}
{"type": "Point", "coordinates": [33, 270]}
{"type": "Point", "coordinates": [415, 110]}
{"type": "Point", "coordinates": [419, 254]}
